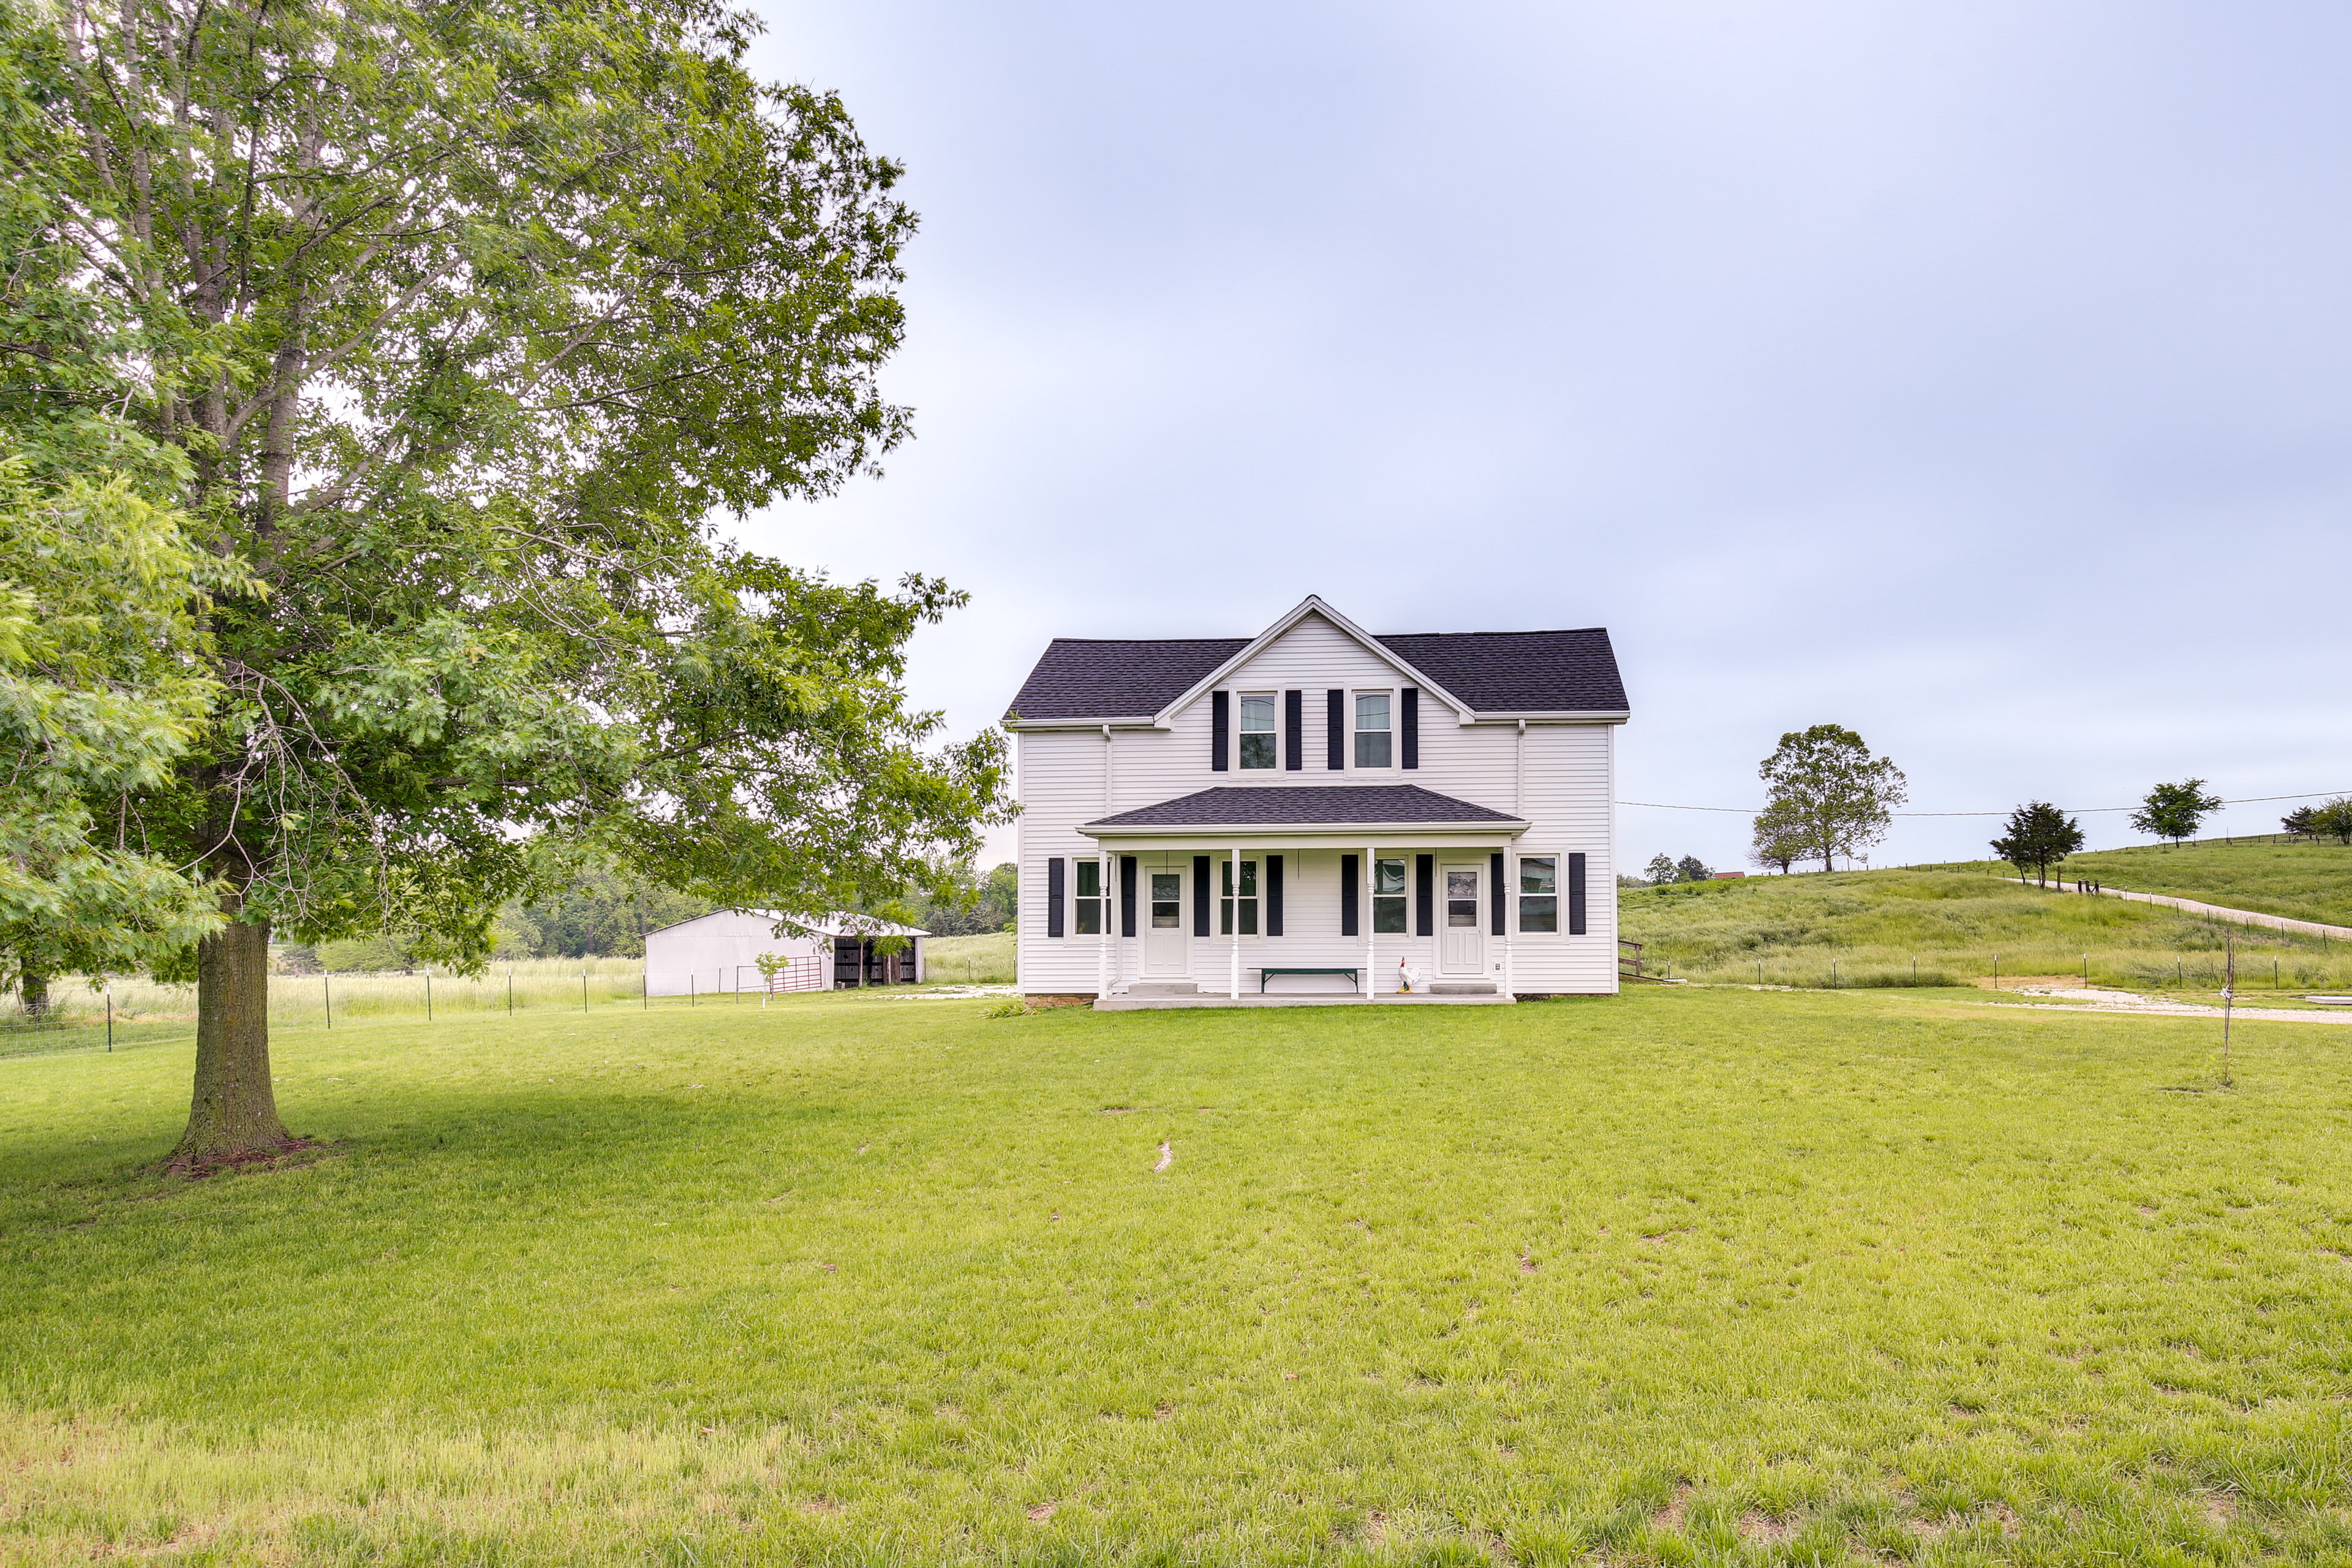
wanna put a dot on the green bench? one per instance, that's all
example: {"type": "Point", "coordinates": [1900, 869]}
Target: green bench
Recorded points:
{"type": "Point", "coordinates": [1354, 980]}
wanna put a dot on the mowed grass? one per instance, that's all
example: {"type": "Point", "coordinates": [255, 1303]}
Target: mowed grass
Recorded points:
{"type": "Point", "coordinates": [1935, 928]}
{"type": "Point", "coordinates": [1685, 1275]}
{"type": "Point", "coordinates": [2304, 881]}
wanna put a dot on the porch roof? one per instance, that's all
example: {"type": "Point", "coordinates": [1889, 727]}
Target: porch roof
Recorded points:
{"type": "Point", "coordinates": [1312, 808]}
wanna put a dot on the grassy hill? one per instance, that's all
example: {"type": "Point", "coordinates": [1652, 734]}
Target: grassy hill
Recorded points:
{"type": "Point", "coordinates": [1684, 1276]}
{"type": "Point", "coordinates": [1874, 925]}
{"type": "Point", "coordinates": [2306, 881]}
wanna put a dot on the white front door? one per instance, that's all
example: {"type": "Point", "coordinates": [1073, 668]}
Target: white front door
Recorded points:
{"type": "Point", "coordinates": [1167, 942]}
{"type": "Point", "coordinates": [1461, 937]}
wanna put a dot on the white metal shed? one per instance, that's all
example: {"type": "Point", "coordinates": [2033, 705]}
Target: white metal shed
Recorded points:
{"type": "Point", "coordinates": [721, 952]}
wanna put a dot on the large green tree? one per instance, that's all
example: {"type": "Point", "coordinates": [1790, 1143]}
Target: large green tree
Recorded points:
{"type": "Point", "coordinates": [2173, 810]}
{"type": "Point", "coordinates": [469, 316]}
{"type": "Point", "coordinates": [1825, 791]}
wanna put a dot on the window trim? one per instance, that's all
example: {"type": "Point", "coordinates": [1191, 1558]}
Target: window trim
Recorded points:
{"type": "Point", "coordinates": [1084, 905]}
{"type": "Point", "coordinates": [1356, 731]}
{"type": "Point", "coordinates": [1241, 734]}
{"type": "Point", "coordinates": [1559, 894]}
{"type": "Point", "coordinates": [1402, 899]}
{"type": "Point", "coordinates": [1253, 876]}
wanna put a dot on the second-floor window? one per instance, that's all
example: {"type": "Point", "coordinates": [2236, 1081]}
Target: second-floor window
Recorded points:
{"type": "Point", "coordinates": [1371, 728]}
{"type": "Point", "coordinates": [1257, 729]}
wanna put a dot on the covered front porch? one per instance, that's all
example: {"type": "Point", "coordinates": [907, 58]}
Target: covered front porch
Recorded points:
{"type": "Point", "coordinates": [1300, 896]}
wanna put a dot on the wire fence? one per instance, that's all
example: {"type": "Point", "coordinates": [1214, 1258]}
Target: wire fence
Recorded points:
{"type": "Point", "coordinates": [126, 1011]}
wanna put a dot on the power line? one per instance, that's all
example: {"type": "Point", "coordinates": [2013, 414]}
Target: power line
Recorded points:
{"type": "Point", "coordinates": [2078, 810]}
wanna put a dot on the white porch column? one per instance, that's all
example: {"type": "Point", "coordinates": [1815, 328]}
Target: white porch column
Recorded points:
{"type": "Point", "coordinates": [1109, 920]}
{"type": "Point", "coordinates": [1364, 913]}
{"type": "Point", "coordinates": [1236, 875]}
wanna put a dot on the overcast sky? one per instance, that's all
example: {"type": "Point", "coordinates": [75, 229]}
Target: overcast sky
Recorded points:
{"type": "Point", "coordinates": [1973, 376]}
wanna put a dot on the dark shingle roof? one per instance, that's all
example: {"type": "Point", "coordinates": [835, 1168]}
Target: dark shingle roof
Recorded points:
{"type": "Point", "coordinates": [1520, 673]}
{"type": "Point", "coordinates": [1082, 679]}
{"type": "Point", "coordinates": [1303, 805]}
{"type": "Point", "coordinates": [1494, 672]}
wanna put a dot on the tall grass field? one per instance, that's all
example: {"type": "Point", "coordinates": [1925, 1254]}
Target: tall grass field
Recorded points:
{"type": "Point", "coordinates": [2305, 881]}
{"type": "Point", "coordinates": [1694, 1275]}
{"type": "Point", "coordinates": [1851, 929]}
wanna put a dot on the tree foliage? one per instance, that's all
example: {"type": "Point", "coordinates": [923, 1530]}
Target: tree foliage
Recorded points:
{"type": "Point", "coordinates": [1828, 793]}
{"type": "Point", "coordinates": [1779, 836]}
{"type": "Point", "coordinates": [102, 690]}
{"type": "Point", "coordinates": [2330, 819]}
{"type": "Point", "coordinates": [1691, 868]}
{"type": "Point", "coordinates": [2173, 810]}
{"type": "Point", "coordinates": [2038, 835]}
{"type": "Point", "coordinates": [467, 317]}
{"type": "Point", "coordinates": [1661, 869]}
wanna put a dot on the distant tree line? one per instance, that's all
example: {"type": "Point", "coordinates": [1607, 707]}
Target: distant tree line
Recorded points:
{"type": "Point", "coordinates": [2332, 819]}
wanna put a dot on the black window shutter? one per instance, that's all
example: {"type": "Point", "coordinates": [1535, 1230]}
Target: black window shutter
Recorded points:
{"type": "Point", "coordinates": [1413, 730]}
{"type": "Point", "coordinates": [1126, 895]}
{"type": "Point", "coordinates": [1294, 723]}
{"type": "Point", "coordinates": [1335, 728]}
{"type": "Point", "coordinates": [1424, 892]}
{"type": "Point", "coordinates": [1221, 724]}
{"type": "Point", "coordinates": [1575, 895]}
{"type": "Point", "coordinates": [1203, 896]}
{"type": "Point", "coordinates": [1056, 880]}
{"type": "Point", "coordinates": [1347, 895]}
{"type": "Point", "coordinates": [1494, 895]}
{"type": "Point", "coordinates": [1273, 891]}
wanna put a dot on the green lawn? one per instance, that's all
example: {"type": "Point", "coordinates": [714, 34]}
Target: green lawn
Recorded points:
{"type": "Point", "coordinates": [2306, 881]}
{"type": "Point", "coordinates": [1691, 1275]}
{"type": "Point", "coordinates": [1886, 928]}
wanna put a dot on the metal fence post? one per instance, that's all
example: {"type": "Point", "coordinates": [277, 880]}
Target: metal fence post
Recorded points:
{"type": "Point", "coordinates": [583, 991]}
{"type": "Point", "coordinates": [428, 995]}
{"type": "Point", "coordinates": [109, 1018]}
{"type": "Point", "coordinates": [327, 989]}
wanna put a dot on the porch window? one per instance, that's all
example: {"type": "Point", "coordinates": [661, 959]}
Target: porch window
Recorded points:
{"type": "Point", "coordinates": [1167, 901]}
{"type": "Point", "coordinates": [1257, 729]}
{"type": "Point", "coordinates": [1089, 900]}
{"type": "Point", "coordinates": [1372, 730]}
{"type": "Point", "coordinates": [1248, 899]}
{"type": "Point", "coordinates": [1388, 897]}
{"type": "Point", "coordinates": [1539, 892]}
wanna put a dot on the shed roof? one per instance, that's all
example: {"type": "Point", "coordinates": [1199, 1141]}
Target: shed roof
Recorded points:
{"type": "Point", "coordinates": [840, 922]}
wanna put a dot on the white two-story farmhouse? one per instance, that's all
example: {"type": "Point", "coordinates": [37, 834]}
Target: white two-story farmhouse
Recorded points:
{"type": "Point", "coordinates": [1317, 811]}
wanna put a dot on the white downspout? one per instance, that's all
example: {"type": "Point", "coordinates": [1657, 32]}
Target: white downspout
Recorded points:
{"type": "Point", "coordinates": [1511, 866]}
{"type": "Point", "coordinates": [1108, 933]}
{"type": "Point", "coordinates": [1364, 913]}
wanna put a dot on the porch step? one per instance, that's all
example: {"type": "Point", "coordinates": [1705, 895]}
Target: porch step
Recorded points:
{"type": "Point", "coordinates": [1461, 988]}
{"type": "Point", "coordinates": [1163, 987]}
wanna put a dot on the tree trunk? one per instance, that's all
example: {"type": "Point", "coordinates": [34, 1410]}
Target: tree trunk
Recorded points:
{"type": "Point", "coordinates": [235, 1111]}
{"type": "Point", "coordinates": [33, 993]}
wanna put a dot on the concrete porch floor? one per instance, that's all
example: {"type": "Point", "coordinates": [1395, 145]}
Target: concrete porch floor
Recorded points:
{"type": "Point", "coordinates": [1294, 999]}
